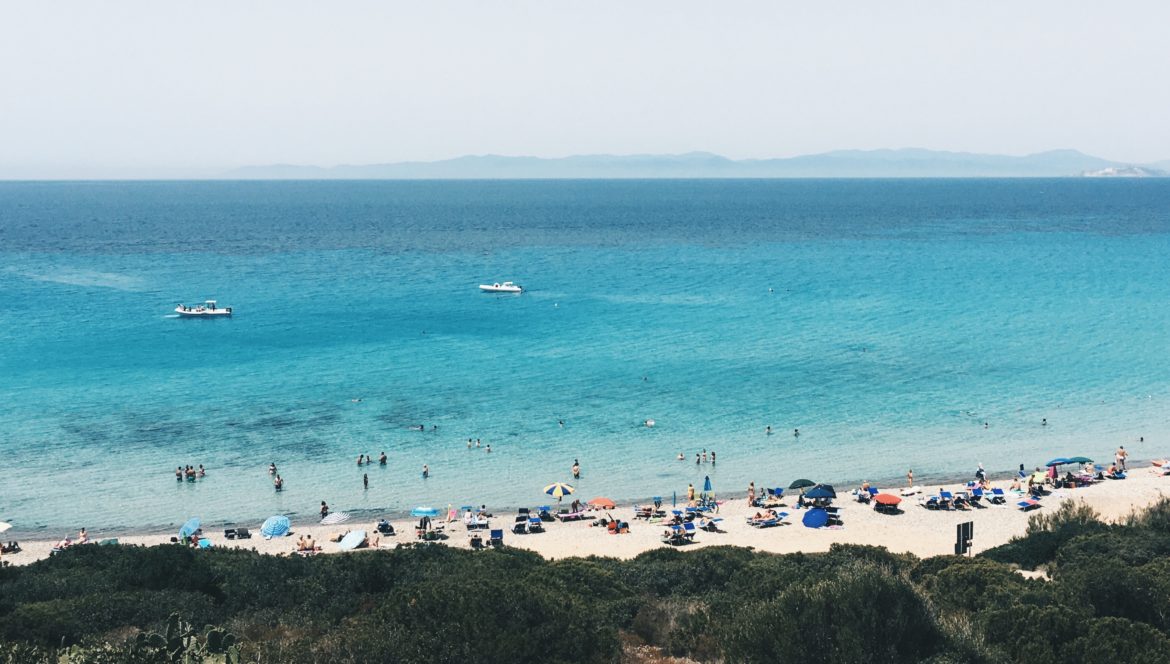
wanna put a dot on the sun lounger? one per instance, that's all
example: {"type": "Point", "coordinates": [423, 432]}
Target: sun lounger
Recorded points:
{"type": "Point", "coordinates": [712, 525]}
{"type": "Point", "coordinates": [960, 501]}
{"type": "Point", "coordinates": [998, 497]}
{"type": "Point", "coordinates": [496, 538]}
{"type": "Point", "coordinates": [535, 525]}
{"type": "Point", "coordinates": [689, 531]}
{"type": "Point", "coordinates": [521, 525]}
{"type": "Point", "coordinates": [976, 497]}
{"type": "Point", "coordinates": [229, 533]}
{"type": "Point", "coordinates": [571, 516]}
{"type": "Point", "coordinates": [946, 500]}
{"type": "Point", "coordinates": [1029, 504]}
{"type": "Point", "coordinates": [676, 537]}
{"type": "Point", "coordinates": [763, 523]}
{"type": "Point", "coordinates": [243, 533]}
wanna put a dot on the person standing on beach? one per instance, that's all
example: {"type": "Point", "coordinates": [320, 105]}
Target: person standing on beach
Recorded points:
{"type": "Point", "coordinates": [910, 478]}
{"type": "Point", "coordinates": [1120, 457]}
{"type": "Point", "coordinates": [365, 481]}
{"type": "Point", "coordinates": [576, 469]}
{"type": "Point", "coordinates": [690, 493]}
{"type": "Point", "coordinates": [751, 493]}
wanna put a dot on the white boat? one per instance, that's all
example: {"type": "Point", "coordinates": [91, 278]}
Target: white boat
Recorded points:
{"type": "Point", "coordinates": [506, 287]}
{"type": "Point", "coordinates": [206, 310]}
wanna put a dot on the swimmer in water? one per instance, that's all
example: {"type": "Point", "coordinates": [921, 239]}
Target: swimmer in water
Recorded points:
{"type": "Point", "coordinates": [489, 448]}
{"type": "Point", "coordinates": [272, 468]}
{"type": "Point", "coordinates": [796, 433]}
{"type": "Point", "coordinates": [681, 457]}
{"type": "Point", "coordinates": [1044, 421]}
{"type": "Point", "coordinates": [768, 430]}
{"type": "Point", "coordinates": [561, 423]}
{"type": "Point", "coordinates": [426, 471]}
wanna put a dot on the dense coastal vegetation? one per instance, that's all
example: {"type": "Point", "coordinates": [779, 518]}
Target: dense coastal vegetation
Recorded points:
{"type": "Point", "coordinates": [1104, 597]}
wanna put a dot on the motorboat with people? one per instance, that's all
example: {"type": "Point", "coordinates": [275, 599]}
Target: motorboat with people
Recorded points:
{"type": "Point", "coordinates": [506, 287]}
{"type": "Point", "coordinates": [208, 309]}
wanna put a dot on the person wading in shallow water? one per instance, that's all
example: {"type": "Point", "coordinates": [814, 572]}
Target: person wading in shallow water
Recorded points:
{"type": "Point", "coordinates": [576, 469]}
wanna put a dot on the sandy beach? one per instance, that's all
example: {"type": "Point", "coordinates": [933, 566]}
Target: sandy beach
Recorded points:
{"type": "Point", "coordinates": [916, 530]}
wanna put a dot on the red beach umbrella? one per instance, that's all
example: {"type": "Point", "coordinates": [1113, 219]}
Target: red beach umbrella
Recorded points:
{"type": "Point", "coordinates": [886, 499]}
{"type": "Point", "coordinates": [603, 503]}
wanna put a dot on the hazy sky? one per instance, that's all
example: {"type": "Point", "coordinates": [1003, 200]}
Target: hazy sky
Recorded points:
{"type": "Point", "coordinates": [167, 87]}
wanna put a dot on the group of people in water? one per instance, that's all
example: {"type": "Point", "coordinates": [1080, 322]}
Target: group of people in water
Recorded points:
{"type": "Point", "coordinates": [189, 473]}
{"type": "Point", "coordinates": [700, 457]}
{"type": "Point", "coordinates": [477, 445]}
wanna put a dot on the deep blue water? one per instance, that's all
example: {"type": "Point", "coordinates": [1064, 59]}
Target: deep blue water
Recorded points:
{"type": "Point", "coordinates": [888, 320]}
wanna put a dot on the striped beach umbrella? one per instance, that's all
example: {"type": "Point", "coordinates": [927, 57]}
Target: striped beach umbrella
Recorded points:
{"type": "Point", "coordinates": [275, 526]}
{"type": "Point", "coordinates": [4, 526]}
{"type": "Point", "coordinates": [558, 489]}
{"type": "Point", "coordinates": [335, 518]}
{"type": "Point", "coordinates": [188, 529]}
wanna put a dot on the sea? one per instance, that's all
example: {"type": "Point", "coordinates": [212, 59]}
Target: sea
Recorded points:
{"type": "Point", "coordinates": [930, 325]}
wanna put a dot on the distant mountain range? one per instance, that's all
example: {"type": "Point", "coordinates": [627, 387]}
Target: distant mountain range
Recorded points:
{"type": "Point", "coordinates": [906, 163]}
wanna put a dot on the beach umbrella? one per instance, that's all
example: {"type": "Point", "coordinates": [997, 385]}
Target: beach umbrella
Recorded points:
{"type": "Point", "coordinates": [801, 484]}
{"type": "Point", "coordinates": [424, 511]}
{"type": "Point", "coordinates": [339, 517]}
{"type": "Point", "coordinates": [558, 489]}
{"type": "Point", "coordinates": [352, 540]}
{"type": "Point", "coordinates": [275, 526]}
{"type": "Point", "coordinates": [821, 491]}
{"type": "Point", "coordinates": [188, 529]}
{"type": "Point", "coordinates": [603, 503]}
{"type": "Point", "coordinates": [707, 484]}
{"type": "Point", "coordinates": [815, 518]}
{"type": "Point", "coordinates": [886, 499]}
{"type": "Point", "coordinates": [1059, 461]}
{"type": "Point", "coordinates": [1080, 459]}
{"type": "Point", "coordinates": [4, 526]}
{"type": "Point", "coordinates": [1039, 476]}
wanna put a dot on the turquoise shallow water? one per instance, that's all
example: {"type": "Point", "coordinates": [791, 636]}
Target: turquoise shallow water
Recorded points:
{"type": "Point", "coordinates": [886, 319]}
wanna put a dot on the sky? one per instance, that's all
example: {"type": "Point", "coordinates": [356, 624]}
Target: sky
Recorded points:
{"type": "Point", "coordinates": [162, 89]}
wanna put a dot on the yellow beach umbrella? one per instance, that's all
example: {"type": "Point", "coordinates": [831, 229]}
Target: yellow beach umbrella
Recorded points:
{"type": "Point", "coordinates": [558, 489]}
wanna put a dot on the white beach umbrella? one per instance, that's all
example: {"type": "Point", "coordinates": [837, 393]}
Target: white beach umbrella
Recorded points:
{"type": "Point", "coordinates": [334, 518]}
{"type": "Point", "coordinates": [4, 526]}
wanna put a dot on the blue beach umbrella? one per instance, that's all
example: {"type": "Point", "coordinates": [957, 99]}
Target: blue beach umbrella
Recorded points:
{"type": "Point", "coordinates": [188, 529]}
{"type": "Point", "coordinates": [424, 511]}
{"type": "Point", "coordinates": [815, 518]}
{"type": "Point", "coordinates": [275, 526]}
{"type": "Point", "coordinates": [707, 484]}
{"type": "Point", "coordinates": [820, 491]}
{"type": "Point", "coordinates": [1059, 461]}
